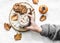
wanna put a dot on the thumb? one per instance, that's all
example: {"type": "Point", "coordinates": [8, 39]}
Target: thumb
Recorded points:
{"type": "Point", "coordinates": [28, 28]}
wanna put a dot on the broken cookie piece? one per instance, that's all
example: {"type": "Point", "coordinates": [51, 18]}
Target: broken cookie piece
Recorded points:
{"type": "Point", "coordinates": [7, 26]}
{"type": "Point", "coordinates": [20, 8]}
{"type": "Point", "coordinates": [16, 7]}
{"type": "Point", "coordinates": [18, 36]}
{"type": "Point", "coordinates": [35, 1]}
{"type": "Point", "coordinates": [23, 9]}
{"type": "Point", "coordinates": [14, 17]}
{"type": "Point", "coordinates": [43, 18]}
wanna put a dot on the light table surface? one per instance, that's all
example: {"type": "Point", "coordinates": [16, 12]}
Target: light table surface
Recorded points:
{"type": "Point", "coordinates": [53, 17]}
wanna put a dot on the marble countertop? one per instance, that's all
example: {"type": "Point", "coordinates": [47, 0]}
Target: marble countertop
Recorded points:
{"type": "Point", "coordinates": [53, 17]}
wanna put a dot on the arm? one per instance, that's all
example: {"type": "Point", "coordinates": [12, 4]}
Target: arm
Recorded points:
{"type": "Point", "coordinates": [50, 31]}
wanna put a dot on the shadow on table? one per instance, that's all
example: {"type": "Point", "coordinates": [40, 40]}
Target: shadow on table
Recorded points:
{"type": "Point", "coordinates": [37, 37]}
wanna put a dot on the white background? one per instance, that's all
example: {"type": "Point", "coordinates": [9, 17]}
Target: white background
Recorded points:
{"type": "Point", "coordinates": [53, 17]}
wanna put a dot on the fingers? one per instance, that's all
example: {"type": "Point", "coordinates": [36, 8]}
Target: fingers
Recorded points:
{"type": "Point", "coordinates": [28, 28]}
{"type": "Point", "coordinates": [32, 18]}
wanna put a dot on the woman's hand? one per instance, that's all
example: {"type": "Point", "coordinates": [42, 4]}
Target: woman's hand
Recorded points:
{"type": "Point", "coordinates": [33, 26]}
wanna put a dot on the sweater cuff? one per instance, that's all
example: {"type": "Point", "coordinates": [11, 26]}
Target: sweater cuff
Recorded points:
{"type": "Point", "coordinates": [44, 30]}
